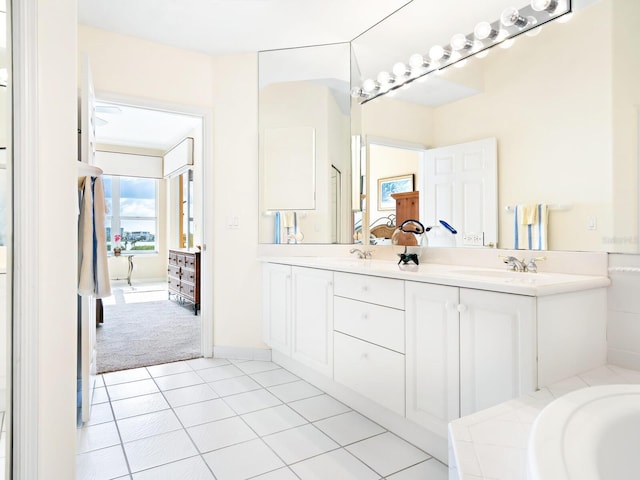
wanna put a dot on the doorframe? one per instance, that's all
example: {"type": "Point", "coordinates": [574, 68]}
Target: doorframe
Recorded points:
{"type": "Point", "coordinates": [205, 198]}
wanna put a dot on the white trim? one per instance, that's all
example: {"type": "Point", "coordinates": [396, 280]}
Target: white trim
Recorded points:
{"type": "Point", "coordinates": [243, 353]}
{"type": "Point", "coordinates": [26, 234]}
{"type": "Point", "coordinates": [206, 200]}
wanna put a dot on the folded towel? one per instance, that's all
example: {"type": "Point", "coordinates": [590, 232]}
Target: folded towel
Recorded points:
{"type": "Point", "coordinates": [531, 236]}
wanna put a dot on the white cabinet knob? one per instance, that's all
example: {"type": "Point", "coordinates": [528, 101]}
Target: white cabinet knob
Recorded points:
{"type": "Point", "coordinates": [365, 316]}
{"type": "Point", "coordinates": [365, 288]}
{"type": "Point", "coordinates": [462, 308]}
{"type": "Point", "coordinates": [364, 356]}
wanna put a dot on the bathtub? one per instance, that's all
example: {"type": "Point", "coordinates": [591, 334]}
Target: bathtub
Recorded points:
{"type": "Point", "coordinates": [588, 434]}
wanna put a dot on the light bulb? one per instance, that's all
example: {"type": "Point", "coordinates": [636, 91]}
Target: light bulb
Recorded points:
{"type": "Point", "coordinates": [417, 61]}
{"type": "Point", "coordinates": [438, 52]}
{"type": "Point", "coordinates": [385, 78]}
{"type": "Point", "coordinates": [460, 42]}
{"type": "Point", "coordinates": [484, 30]}
{"type": "Point", "coordinates": [511, 16]}
{"type": "Point", "coordinates": [357, 92]}
{"type": "Point", "coordinates": [370, 85]}
{"type": "Point", "coordinates": [544, 5]}
{"type": "Point", "coordinates": [401, 70]}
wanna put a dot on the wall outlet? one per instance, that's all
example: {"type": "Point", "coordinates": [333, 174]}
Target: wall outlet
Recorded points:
{"type": "Point", "coordinates": [472, 239]}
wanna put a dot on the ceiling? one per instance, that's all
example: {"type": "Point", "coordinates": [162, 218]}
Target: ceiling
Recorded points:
{"type": "Point", "coordinates": [218, 27]}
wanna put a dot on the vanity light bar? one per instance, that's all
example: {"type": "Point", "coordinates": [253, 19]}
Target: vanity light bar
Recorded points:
{"type": "Point", "coordinates": [512, 22]}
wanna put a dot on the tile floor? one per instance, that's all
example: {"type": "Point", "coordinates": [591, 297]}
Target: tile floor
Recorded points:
{"type": "Point", "coordinates": [227, 419]}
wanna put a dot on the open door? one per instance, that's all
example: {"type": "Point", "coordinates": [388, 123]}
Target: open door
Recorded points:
{"type": "Point", "coordinates": [459, 186]}
{"type": "Point", "coordinates": [86, 304]}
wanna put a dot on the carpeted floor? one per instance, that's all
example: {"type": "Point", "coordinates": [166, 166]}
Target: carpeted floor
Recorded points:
{"type": "Point", "coordinates": [146, 333]}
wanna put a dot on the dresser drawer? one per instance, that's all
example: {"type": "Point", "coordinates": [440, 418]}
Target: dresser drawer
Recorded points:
{"type": "Point", "coordinates": [188, 290]}
{"type": "Point", "coordinates": [383, 326]}
{"type": "Point", "coordinates": [173, 258]}
{"type": "Point", "coordinates": [189, 275]}
{"type": "Point", "coordinates": [173, 271]}
{"type": "Point", "coordinates": [370, 370]}
{"type": "Point", "coordinates": [173, 284]}
{"type": "Point", "coordinates": [190, 261]}
{"type": "Point", "coordinates": [382, 291]}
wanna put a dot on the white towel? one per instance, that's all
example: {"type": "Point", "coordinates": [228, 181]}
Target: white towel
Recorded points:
{"type": "Point", "coordinates": [530, 227]}
{"type": "Point", "coordinates": [93, 274]}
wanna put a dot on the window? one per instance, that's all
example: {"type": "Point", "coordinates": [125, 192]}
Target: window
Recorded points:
{"type": "Point", "coordinates": [132, 212]}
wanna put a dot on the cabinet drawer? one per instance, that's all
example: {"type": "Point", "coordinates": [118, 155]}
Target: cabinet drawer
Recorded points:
{"type": "Point", "coordinates": [190, 261]}
{"type": "Point", "coordinates": [173, 284]}
{"type": "Point", "coordinates": [382, 291]}
{"type": "Point", "coordinates": [375, 372]}
{"type": "Point", "coordinates": [188, 290]}
{"type": "Point", "coordinates": [173, 271]}
{"type": "Point", "coordinates": [189, 275]}
{"type": "Point", "coordinates": [180, 260]}
{"type": "Point", "coordinates": [383, 326]}
{"type": "Point", "coordinates": [173, 258]}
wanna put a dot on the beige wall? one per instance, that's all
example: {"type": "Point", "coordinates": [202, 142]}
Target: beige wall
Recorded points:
{"type": "Point", "coordinates": [132, 67]}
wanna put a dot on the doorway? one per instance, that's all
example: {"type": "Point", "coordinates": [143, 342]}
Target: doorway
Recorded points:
{"type": "Point", "coordinates": [155, 205]}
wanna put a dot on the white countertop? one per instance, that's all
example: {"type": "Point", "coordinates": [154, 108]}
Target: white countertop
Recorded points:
{"type": "Point", "coordinates": [499, 280]}
{"type": "Point", "coordinates": [492, 444]}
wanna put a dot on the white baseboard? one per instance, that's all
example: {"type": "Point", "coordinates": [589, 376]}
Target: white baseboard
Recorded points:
{"type": "Point", "coordinates": [624, 358]}
{"type": "Point", "coordinates": [242, 353]}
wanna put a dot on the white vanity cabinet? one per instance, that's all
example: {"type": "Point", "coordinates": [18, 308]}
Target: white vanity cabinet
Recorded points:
{"type": "Point", "coordinates": [312, 318]}
{"type": "Point", "coordinates": [369, 338]}
{"type": "Point", "coordinates": [466, 350]}
{"type": "Point", "coordinates": [276, 306]}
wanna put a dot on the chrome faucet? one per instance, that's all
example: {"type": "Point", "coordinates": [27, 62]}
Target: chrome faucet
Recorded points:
{"type": "Point", "coordinates": [515, 264]}
{"type": "Point", "coordinates": [363, 255]}
{"type": "Point", "coordinates": [532, 266]}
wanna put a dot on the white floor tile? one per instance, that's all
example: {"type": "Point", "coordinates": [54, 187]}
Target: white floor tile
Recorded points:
{"type": "Point", "coordinates": [255, 366]}
{"type": "Point", "coordinates": [189, 395]}
{"type": "Point", "coordinates": [220, 373]}
{"type": "Point", "coordinates": [349, 427]}
{"type": "Point", "coordinates": [319, 407]}
{"type": "Point", "coordinates": [290, 392]}
{"type": "Point", "coordinates": [178, 380]}
{"type": "Point", "coordinates": [274, 419]}
{"type": "Point", "coordinates": [193, 468]}
{"type": "Point", "coordinates": [251, 401]}
{"type": "Point", "coordinates": [169, 369]}
{"type": "Point", "coordinates": [299, 443]}
{"type": "Point", "coordinates": [241, 461]}
{"type": "Point", "coordinates": [131, 389]}
{"type": "Point", "coordinates": [387, 453]}
{"type": "Point", "coordinates": [336, 464]}
{"type": "Point", "coordinates": [220, 434]}
{"type": "Point", "coordinates": [203, 412]}
{"type": "Point", "coordinates": [100, 395]}
{"type": "Point", "coordinates": [125, 376]}
{"type": "Point", "coordinates": [274, 377]}
{"type": "Point", "coordinates": [159, 450]}
{"type": "Point", "coordinates": [103, 464]}
{"type": "Point", "coordinates": [100, 413]}
{"type": "Point", "coordinates": [202, 363]}
{"type": "Point", "coordinates": [143, 426]}
{"type": "Point", "coordinates": [95, 437]}
{"type": "Point", "coordinates": [431, 469]}
{"type": "Point", "coordinates": [139, 405]}
{"type": "Point", "coordinates": [280, 474]}
{"type": "Point", "coordinates": [231, 386]}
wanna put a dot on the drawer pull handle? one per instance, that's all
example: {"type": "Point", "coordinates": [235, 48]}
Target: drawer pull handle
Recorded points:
{"type": "Point", "coordinates": [365, 316]}
{"type": "Point", "coordinates": [365, 288]}
{"type": "Point", "coordinates": [365, 356]}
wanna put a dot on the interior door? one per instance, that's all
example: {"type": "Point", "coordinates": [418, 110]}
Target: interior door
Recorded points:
{"type": "Point", "coordinates": [458, 184]}
{"type": "Point", "coordinates": [87, 304]}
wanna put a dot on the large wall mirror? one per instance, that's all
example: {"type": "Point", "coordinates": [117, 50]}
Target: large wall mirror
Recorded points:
{"type": "Point", "coordinates": [561, 104]}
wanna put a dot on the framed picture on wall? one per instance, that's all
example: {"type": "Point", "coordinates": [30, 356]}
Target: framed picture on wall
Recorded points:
{"type": "Point", "coordinates": [390, 185]}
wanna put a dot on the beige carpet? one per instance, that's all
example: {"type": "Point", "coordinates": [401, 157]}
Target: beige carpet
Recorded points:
{"type": "Point", "coordinates": [146, 333]}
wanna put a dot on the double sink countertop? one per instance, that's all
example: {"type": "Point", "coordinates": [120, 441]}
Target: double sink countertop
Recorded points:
{"type": "Point", "coordinates": [481, 278]}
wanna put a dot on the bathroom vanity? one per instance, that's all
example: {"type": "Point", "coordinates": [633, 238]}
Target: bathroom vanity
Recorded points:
{"type": "Point", "coordinates": [416, 349]}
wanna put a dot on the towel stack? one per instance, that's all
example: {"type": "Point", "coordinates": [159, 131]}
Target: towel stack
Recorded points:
{"type": "Point", "coordinates": [286, 227]}
{"type": "Point", "coordinates": [530, 226]}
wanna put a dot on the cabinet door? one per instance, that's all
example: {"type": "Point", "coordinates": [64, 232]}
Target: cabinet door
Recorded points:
{"type": "Point", "coordinates": [497, 348]}
{"type": "Point", "coordinates": [312, 318]}
{"type": "Point", "coordinates": [276, 305]}
{"type": "Point", "coordinates": [432, 355]}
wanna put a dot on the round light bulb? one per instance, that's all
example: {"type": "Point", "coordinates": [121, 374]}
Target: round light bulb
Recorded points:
{"type": "Point", "coordinates": [385, 78]}
{"type": "Point", "coordinates": [401, 70]}
{"type": "Point", "coordinates": [460, 42]}
{"type": "Point", "coordinates": [370, 85]}
{"type": "Point", "coordinates": [484, 30]}
{"type": "Point", "coordinates": [437, 52]}
{"type": "Point", "coordinates": [544, 5]}
{"type": "Point", "coordinates": [418, 61]}
{"type": "Point", "coordinates": [511, 16]}
{"type": "Point", "coordinates": [357, 92]}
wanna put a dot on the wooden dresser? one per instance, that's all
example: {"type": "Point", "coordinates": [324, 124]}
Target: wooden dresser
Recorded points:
{"type": "Point", "coordinates": [184, 276]}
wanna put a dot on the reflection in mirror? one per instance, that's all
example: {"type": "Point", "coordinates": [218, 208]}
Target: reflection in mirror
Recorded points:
{"type": "Point", "coordinates": [305, 162]}
{"type": "Point", "coordinates": [566, 130]}
{"type": "Point", "coordinates": [5, 244]}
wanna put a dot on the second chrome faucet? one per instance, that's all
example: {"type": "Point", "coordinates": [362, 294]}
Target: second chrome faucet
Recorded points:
{"type": "Point", "coordinates": [361, 254]}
